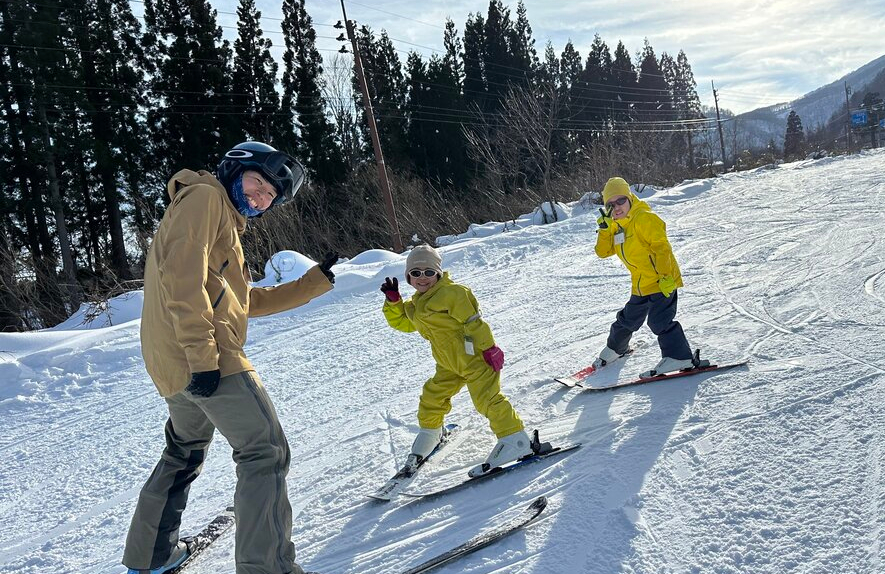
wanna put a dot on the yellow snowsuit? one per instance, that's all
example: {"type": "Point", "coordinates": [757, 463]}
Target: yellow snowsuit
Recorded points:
{"type": "Point", "coordinates": [448, 316]}
{"type": "Point", "coordinates": [644, 249]}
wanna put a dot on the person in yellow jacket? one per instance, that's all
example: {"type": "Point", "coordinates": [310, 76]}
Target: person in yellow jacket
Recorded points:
{"type": "Point", "coordinates": [629, 229]}
{"type": "Point", "coordinates": [447, 314]}
{"type": "Point", "coordinates": [197, 299]}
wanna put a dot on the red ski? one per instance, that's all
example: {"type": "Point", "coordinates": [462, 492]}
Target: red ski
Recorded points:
{"type": "Point", "coordinates": [575, 380]}
{"type": "Point", "coordinates": [665, 377]}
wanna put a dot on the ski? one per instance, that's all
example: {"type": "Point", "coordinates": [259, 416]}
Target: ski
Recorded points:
{"type": "Point", "coordinates": [664, 377]}
{"type": "Point", "coordinates": [497, 471]}
{"type": "Point", "coordinates": [407, 473]}
{"type": "Point", "coordinates": [199, 542]}
{"type": "Point", "coordinates": [576, 379]}
{"type": "Point", "coordinates": [503, 530]}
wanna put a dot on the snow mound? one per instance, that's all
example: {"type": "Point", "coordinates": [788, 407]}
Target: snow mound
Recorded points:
{"type": "Point", "coordinates": [283, 267]}
{"type": "Point", "coordinates": [98, 315]}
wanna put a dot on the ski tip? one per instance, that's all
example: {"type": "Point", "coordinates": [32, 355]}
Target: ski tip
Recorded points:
{"type": "Point", "coordinates": [539, 503]}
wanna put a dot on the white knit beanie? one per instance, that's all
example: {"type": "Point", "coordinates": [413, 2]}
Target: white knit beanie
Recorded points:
{"type": "Point", "coordinates": [424, 257]}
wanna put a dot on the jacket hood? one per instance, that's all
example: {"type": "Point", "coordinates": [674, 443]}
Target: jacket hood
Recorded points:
{"type": "Point", "coordinates": [186, 178]}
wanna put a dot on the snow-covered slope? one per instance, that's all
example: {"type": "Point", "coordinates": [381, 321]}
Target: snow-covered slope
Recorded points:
{"type": "Point", "coordinates": [775, 468]}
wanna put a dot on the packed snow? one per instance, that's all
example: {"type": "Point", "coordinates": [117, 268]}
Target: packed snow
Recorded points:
{"type": "Point", "coordinates": [772, 468]}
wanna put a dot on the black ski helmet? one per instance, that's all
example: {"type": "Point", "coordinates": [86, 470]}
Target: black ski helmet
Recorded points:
{"type": "Point", "coordinates": [283, 171]}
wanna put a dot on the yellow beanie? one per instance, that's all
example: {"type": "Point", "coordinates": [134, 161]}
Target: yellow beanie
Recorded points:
{"type": "Point", "coordinates": [614, 187]}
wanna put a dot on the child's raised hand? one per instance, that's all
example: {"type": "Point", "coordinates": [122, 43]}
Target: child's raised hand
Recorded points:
{"type": "Point", "coordinates": [494, 356]}
{"type": "Point", "coordinates": [390, 288]}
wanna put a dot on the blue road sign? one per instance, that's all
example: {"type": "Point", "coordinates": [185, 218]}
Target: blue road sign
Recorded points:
{"type": "Point", "coordinates": [859, 118]}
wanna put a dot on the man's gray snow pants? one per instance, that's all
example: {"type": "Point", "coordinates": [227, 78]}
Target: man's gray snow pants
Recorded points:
{"type": "Point", "coordinates": [242, 412]}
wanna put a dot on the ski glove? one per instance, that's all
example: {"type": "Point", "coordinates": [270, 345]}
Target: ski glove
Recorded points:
{"type": "Point", "coordinates": [326, 266]}
{"type": "Point", "coordinates": [604, 221]}
{"type": "Point", "coordinates": [203, 384]}
{"type": "Point", "coordinates": [667, 285]}
{"type": "Point", "coordinates": [494, 356]}
{"type": "Point", "coordinates": [390, 288]}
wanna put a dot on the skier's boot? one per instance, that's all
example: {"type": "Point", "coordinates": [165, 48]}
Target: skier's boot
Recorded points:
{"type": "Point", "coordinates": [670, 365]}
{"type": "Point", "coordinates": [425, 441]}
{"type": "Point", "coordinates": [509, 448]}
{"type": "Point", "coordinates": [179, 555]}
{"type": "Point", "coordinates": [606, 356]}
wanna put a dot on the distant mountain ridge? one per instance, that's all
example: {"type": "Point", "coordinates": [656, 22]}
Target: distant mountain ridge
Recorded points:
{"type": "Point", "coordinates": [816, 109]}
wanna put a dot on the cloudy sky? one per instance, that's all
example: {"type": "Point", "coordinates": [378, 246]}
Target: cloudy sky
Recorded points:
{"type": "Point", "coordinates": [757, 52]}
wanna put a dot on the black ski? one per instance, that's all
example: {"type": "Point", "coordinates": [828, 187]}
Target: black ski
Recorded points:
{"type": "Point", "coordinates": [481, 541]}
{"type": "Point", "coordinates": [497, 471]}
{"type": "Point", "coordinates": [196, 544]}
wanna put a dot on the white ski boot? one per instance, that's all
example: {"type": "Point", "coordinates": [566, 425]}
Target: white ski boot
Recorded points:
{"type": "Point", "coordinates": [425, 441]}
{"type": "Point", "coordinates": [606, 356]}
{"type": "Point", "coordinates": [509, 448]}
{"type": "Point", "coordinates": [668, 365]}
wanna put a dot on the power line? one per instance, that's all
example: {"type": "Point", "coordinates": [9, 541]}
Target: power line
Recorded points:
{"type": "Point", "coordinates": [397, 15]}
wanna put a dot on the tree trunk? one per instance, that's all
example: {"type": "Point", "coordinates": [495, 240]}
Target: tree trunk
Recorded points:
{"type": "Point", "coordinates": [69, 270]}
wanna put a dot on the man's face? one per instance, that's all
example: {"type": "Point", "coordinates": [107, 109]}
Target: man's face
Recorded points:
{"type": "Point", "coordinates": [619, 206]}
{"type": "Point", "coordinates": [258, 191]}
{"type": "Point", "coordinates": [422, 283]}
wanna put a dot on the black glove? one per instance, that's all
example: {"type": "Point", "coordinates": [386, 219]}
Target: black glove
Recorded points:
{"type": "Point", "coordinates": [390, 288]}
{"type": "Point", "coordinates": [326, 266]}
{"type": "Point", "coordinates": [203, 384]}
{"type": "Point", "coordinates": [605, 218]}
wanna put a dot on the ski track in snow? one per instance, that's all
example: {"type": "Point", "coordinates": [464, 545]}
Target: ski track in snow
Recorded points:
{"type": "Point", "coordinates": [767, 469]}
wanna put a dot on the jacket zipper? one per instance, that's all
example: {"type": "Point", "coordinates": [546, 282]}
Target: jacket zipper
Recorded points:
{"type": "Point", "coordinates": [223, 283]}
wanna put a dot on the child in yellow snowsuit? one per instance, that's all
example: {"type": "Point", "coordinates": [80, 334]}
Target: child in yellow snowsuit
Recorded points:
{"type": "Point", "coordinates": [629, 229]}
{"type": "Point", "coordinates": [447, 314]}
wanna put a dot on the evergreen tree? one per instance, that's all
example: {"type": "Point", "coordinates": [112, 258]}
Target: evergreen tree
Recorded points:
{"type": "Point", "coordinates": [387, 88]}
{"type": "Point", "coordinates": [686, 102]}
{"type": "Point", "coordinates": [254, 97]}
{"type": "Point", "coordinates": [475, 87]}
{"type": "Point", "coordinates": [190, 119]}
{"type": "Point", "coordinates": [571, 70]}
{"type": "Point", "coordinates": [496, 54]}
{"type": "Point", "coordinates": [549, 70]}
{"type": "Point", "coordinates": [624, 81]}
{"type": "Point", "coordinates": [524, 57]}
{"type": "Point", "coordinates": [446, 143]}
{"type": "Point", "coordinates": [596, 83]}
{"type": "Point", "coordinates": [416, 106]}
{"type": "Point", "coordinates": [111, 69]}
{"type": "Point", "coordinates": [452, 59]}
{"type": "Point", "coordinates": [34, 58]}
{"type": "Point", "coordinates": [794, 139]}
{"type": "Point", "coordinates": [303, 93]}
{"type": "Point", "coordinates": [653, 96]}
{"type": "Point", "coordinates": [566, 145]}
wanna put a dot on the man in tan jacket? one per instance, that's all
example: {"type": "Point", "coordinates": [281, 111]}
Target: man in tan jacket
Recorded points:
{"type": "Point", "coordinates": [197, 299]}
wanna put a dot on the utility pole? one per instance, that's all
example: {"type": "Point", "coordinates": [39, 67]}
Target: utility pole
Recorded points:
{"type": "Point", "coordinates": [719, 125]}
{"type": "Point", "coordinates": [376, 142]}
{"type": "Point", "coordinates": [848, 116]}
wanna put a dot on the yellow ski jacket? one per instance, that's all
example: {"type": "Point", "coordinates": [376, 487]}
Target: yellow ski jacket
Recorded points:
{"type": "Point", "coordinates": [197, 292]}
{"type": "Point", "coordinates": [640, 242]}
{"type": "Point", "coordinates": [448, 316]}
